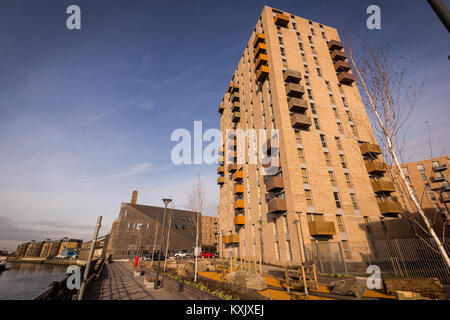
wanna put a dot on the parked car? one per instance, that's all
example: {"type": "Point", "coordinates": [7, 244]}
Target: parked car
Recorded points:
{"type": "Point", "coordinates": [148, 256]}
{"type": "Point", "coordinates": [181, 254]}
{"type": "Point", "coordinates": [207, 254]}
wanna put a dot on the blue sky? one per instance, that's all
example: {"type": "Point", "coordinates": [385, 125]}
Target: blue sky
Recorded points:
{"type": "Point", "coordinates": [86, 116]}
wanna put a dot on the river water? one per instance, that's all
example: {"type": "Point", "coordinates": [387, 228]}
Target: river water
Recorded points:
{"type": "Point", "coordinates": [24, 281]}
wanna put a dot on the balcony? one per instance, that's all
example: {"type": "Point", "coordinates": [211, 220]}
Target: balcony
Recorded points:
{"type": "Point", "coordinates": [437, 168]}
{"type": "Point", "coordinates": [274, 184]}
{"type": "Point", "coordinates": [277, 205]}
{"type": "Point", "coordinates": [338, 55]}
{"type": "Point", "coordinates": [220, 151]}
{"type": "Point", "coordinates": [295, 90]}
{"type": "Point", "coordinates": [335, 45]}
{"type": "Point", "coordinates": [220, 160]}
{"type": "Point", "coordinates": [292, 76]}
{"type": "Point", "coordinates": [236, 116]}
{"type": "Point", "coordinates": [321, 228]}
{"type": "Point", "coordinates": [445, 197]}
{"type": "Point", "coordinates": [370, 149]}
{"type": "Point", "coordinates": [340, 66]}
{"type": "Point", "coordinates": [233, 167]}
{"type": "Point", "coordinates": [297, 105]}
{"type": "Point", "coordinates": [437, 177]}
{"type": "Point", "coordinates": [259, 38]}
{"type": "Point", "coordinates": [238, 175]}
{"type": "Point", "coordinates": [346, 78]}
{"type": "Point", "coordinates": [221, 108]}
{"type": "Point", "coordinates": [234, 238]}
{"type": "Point", "coordinates": [281, 20]}
{"type": "Point", "coordinates": [375, 167]}
{"type": "Point", "coordinates": [239, 220]}
{"type": "Point", "coordinates": [383, 186]}
{"type": "Point", "coordinates": [262, 73]}
{"type": "Point", "coordinates": [236, 106]}
{"type": "Point", "coordinates": [239, 204]}
{"type": "Point", "coordinates": [234, 97]}
{"type": "Point", "coordinates": [221, 180]}
{"type": "Point", "coordinates": [260, 48]}
{"type": "Point", "coordinates": [238, 189]}
{"type": "Point", "coordinates": [230, 86]}
{"type": "Point", "coordinates": [390, 208]}
{"type": "Point", "coordinates": [226, 239]}
{"type": "Point", "coordinates": [445, 186]}
{"type": "Point", "coordinates": [262, 60]}
{"type": "Point", "coordinates": [221, 170]}
{"type": "Point", "coordinates": [300, 121]}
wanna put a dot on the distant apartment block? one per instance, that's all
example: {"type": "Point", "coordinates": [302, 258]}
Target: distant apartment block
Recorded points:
{"type": "Point", "coordinates": [330, 184]}
{"type": "Point", "coordinates": [47, 248]}
{"type": "Point", "coordinates": [429, 181]}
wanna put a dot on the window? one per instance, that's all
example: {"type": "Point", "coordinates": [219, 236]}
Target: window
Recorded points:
{"type": "Point", "coordinates": [340, 223]}
{"type": "Point", "coordinates": [337, 199]}
{"type": "Point", "coordinates": [405, 171]}
{"type": "Point", "coordinates": [301, 154]}
{"type": "Point", "coordinates": [343, 163]}
{"type": "Point", "coordinates": [313, 108]}
{"type": "Point", "coordinates": [318, 72]}
{"type": "Point", "coordinates": [427, 186]}
{"type": "Point", "coordinates": [316, 123]}
{"type": "Point", "coordinates": [421, 168]}
{"type": "Point", "coordinates": [308, 196]}
{"type": "Point", "coordinates": [349, 116]}
{"type": "Point", "coordinates": [309, 91]}
{"type": "Point", "coordinates": [354, 201]}
{"type": "Point", "coordinates": [348, 180]}
{"type": "Point", "coordinates": [354, 131]}
{"type": "Point", "coordinates": [432, 197]}
{"type": "Point", "coordinates": [328, 159]}
{"type": "Point", "coordinates": [436, 164]}
{"type": "Point", "coordinates": [338, 143]}
{"type": "Point", "coordinates": [424, 177]}
{"type": "Point", "coordinates": [324, 142]}
{"type": "Point", "coordinates": [346, 249]}
{"type": "Point", "coordinates": [339, 125]}
{"type": "Point", "coordinates": [304, 175]}
{"type": "Point", "coordinates": [332, 179]}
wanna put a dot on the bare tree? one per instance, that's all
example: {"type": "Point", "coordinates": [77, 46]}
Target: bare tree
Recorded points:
{"type": "Point", "coordinates": [195, 203]}
{"type": "Point", "coordinates": [389, 101]}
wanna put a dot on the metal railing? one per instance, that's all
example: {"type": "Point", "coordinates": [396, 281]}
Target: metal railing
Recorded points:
{"type": "Point", "coordinates": [58, 290]}
{"type": "Point", "coordinates": [399, 258]}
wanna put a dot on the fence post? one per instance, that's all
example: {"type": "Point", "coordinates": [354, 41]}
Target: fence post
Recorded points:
{"type": "Point", "coordinates": [318, 256]}
{"type": "Point", "coordinates": [342, 257]}
{"type": "Point", "coordinates": [331, 258]}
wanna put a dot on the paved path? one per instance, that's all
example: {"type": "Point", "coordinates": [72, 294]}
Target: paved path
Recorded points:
{"type": "Point", "coordinates": [118, 282]}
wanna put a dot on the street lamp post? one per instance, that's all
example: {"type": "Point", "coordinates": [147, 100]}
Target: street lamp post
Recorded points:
{"type": "Point", "coordinates": [166, 202]}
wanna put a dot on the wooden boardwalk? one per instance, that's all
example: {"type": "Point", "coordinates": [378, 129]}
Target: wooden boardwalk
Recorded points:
{"type": "Point", "coordinates": [117, 282]}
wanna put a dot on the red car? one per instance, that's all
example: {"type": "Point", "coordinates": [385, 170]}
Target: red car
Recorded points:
{"type": "Point", "coordinates": [207, 254]}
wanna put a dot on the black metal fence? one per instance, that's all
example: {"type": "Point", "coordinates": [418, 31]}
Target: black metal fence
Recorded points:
{"type": "Point", "coordinates": [403, 258]}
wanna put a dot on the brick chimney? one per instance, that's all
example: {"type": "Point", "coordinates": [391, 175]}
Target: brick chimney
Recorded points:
{"type": "Point", "coordinates": [134, 197]}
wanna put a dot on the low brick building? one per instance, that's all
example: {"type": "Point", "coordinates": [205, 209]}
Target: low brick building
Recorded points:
{"type": "Point", "coordinates": [99, 250]}
{"type": "Point", "coordinates": [138, 229]}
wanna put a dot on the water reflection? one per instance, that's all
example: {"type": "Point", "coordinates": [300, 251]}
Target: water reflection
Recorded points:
{"type": "Point", "coordinates": [24, 281]}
